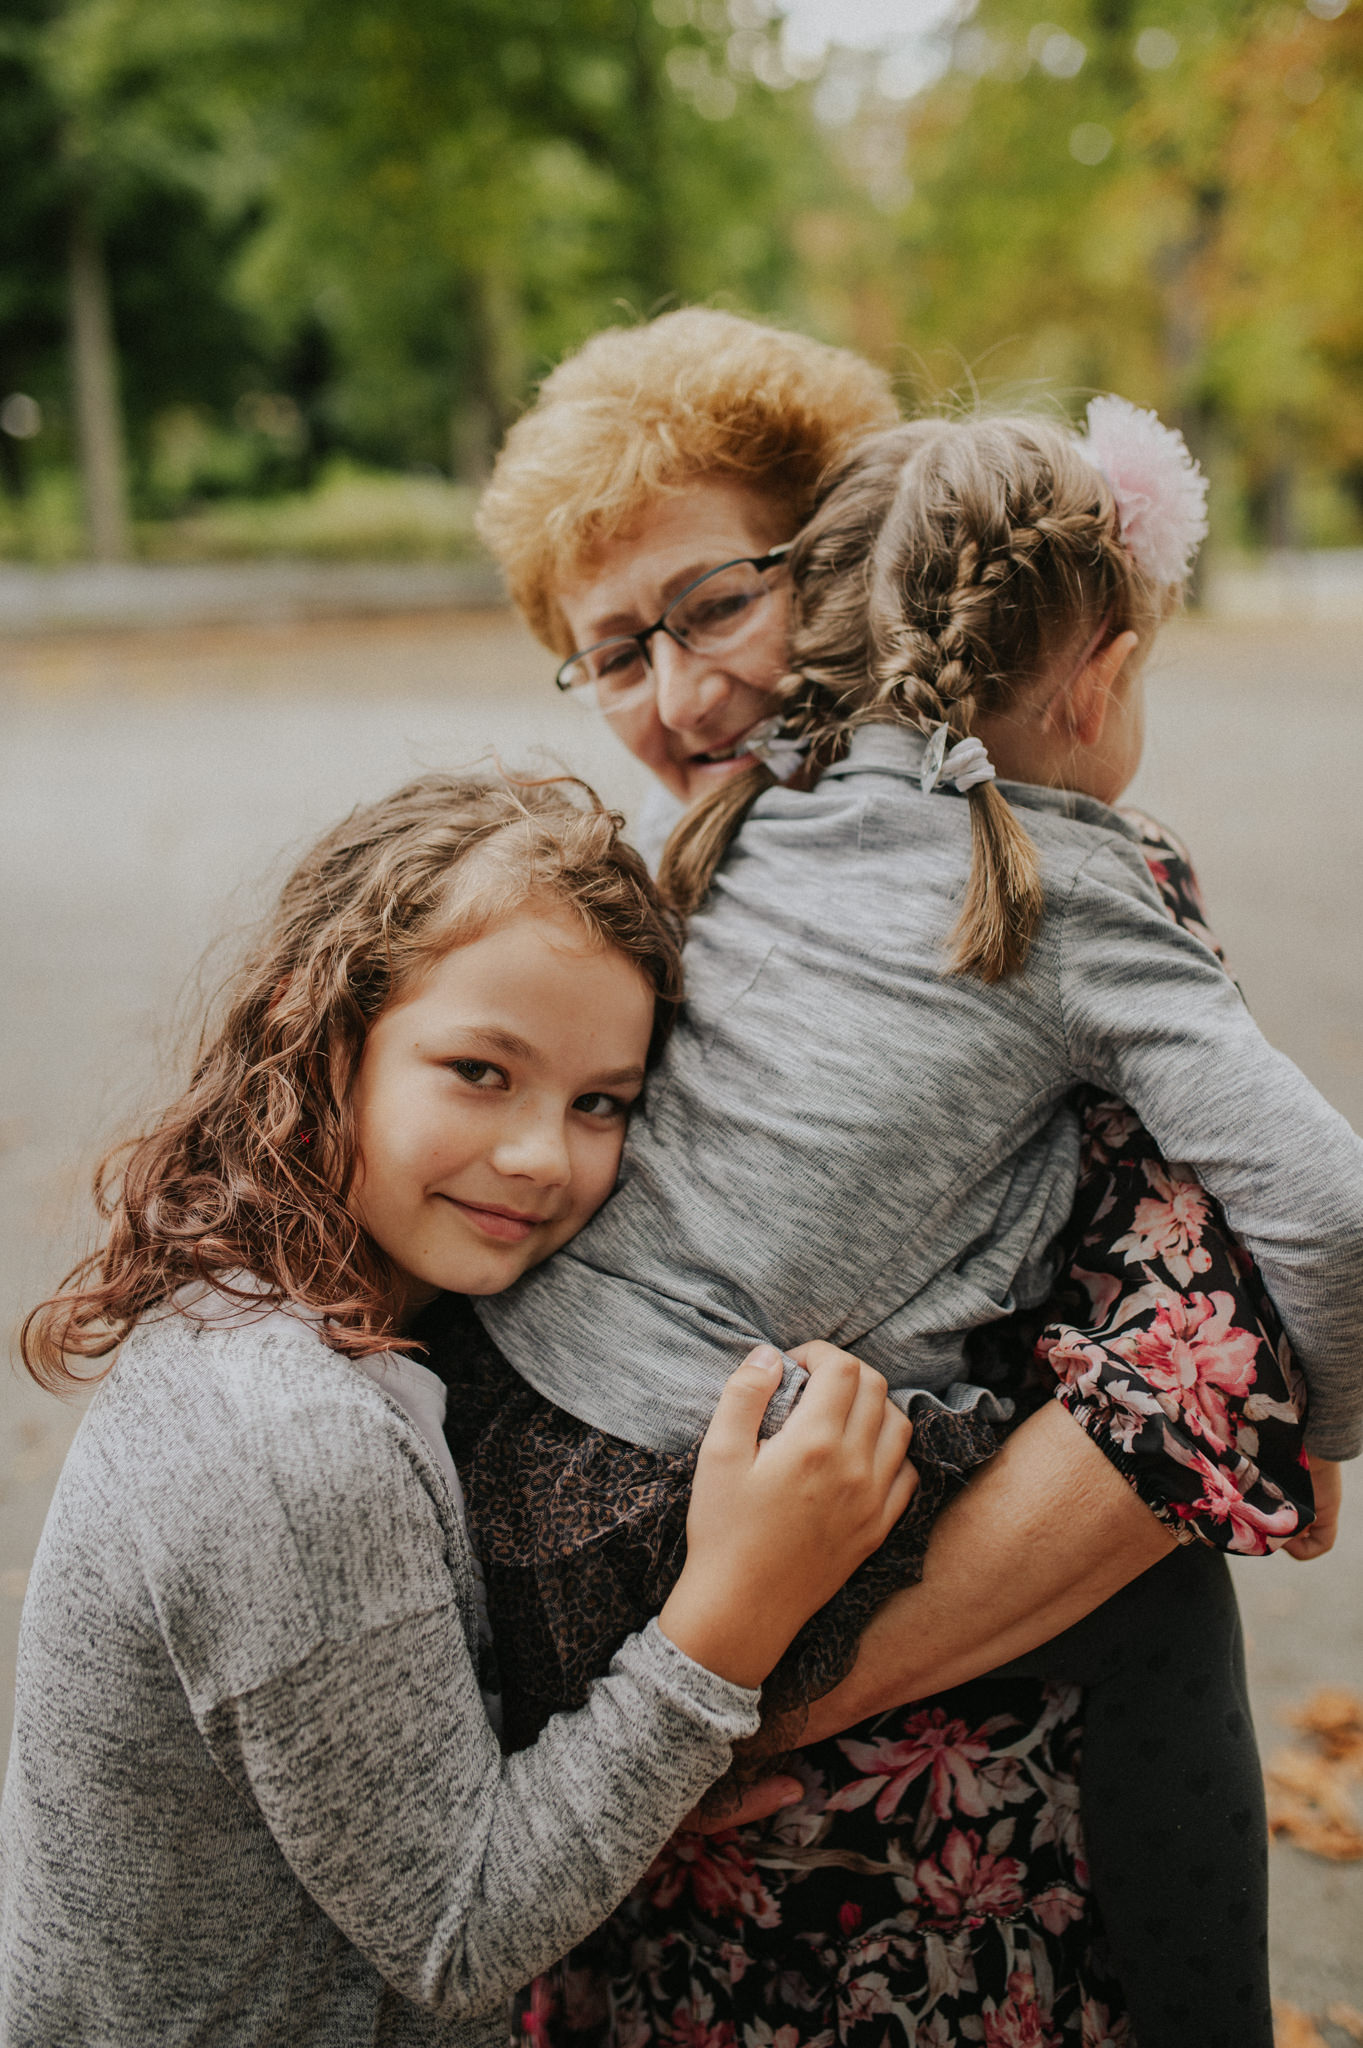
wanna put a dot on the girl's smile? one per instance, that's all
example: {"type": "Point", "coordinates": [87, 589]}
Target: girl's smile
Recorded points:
{"type": "Point", "coordinates": [508, 1226]}
{"type": "Point", "coordinates": [490, 1103]}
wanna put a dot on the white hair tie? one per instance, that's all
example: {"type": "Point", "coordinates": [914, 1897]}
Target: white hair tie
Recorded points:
{"type": "Point", "coordinates": [767, 742]}
{"type": "Point", "coordinates": [967, 764]}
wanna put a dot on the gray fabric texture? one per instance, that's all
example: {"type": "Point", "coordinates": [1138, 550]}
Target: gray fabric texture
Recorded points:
{"type": "Point", "coordinates": [845, 1141]}
{"type": "Point", "coordinates": [253, 1795]}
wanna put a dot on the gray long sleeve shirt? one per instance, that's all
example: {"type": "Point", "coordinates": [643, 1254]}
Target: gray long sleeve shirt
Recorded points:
{"type": "Point", "coordinates": [253, 1795]}
{"type": "Point", "coordinates": [845, 1141]}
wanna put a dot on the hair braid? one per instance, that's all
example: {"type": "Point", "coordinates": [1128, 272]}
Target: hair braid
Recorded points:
{"type": "Point", "coordinates": [949, 566]}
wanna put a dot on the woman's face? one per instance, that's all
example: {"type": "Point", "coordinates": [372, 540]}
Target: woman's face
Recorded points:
{"type": "Point", "coordinates": [490, 1103]}
{"type": "Point", "coordinates": [690, 729]}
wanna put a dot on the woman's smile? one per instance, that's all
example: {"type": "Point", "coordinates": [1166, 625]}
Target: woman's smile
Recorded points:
{"type": "Point", "coordinates": [690, 728]}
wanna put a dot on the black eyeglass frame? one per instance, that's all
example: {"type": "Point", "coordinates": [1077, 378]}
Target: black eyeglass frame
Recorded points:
{"type": "Point", "coordinates": [761, 563]}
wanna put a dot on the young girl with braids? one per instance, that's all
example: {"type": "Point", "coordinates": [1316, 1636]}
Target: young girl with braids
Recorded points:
{"type": "Point", "coordinates": [899, 969]}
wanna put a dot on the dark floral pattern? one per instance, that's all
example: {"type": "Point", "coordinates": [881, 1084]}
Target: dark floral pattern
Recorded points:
{"type": "Point", "coordinates": [931, 1887]}
{"type": "Point", "coordinates": [1173, 1358]}
{"type": "Point", "coordinates": [1161, 1335]}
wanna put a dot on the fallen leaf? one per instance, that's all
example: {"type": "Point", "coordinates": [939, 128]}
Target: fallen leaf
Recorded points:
{"type": "Point", "coordinates": [1347, 2018]}
{"type": "Point", "coordinates": [1293, 2028]}
{"type": "Point", "coordinates": [1309, 1803]}
{"type": "Point", "coordinates": [1334, 1717]}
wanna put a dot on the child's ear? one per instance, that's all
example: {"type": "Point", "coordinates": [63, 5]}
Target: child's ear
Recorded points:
{"type": "Point", "coordinates": [1081, 710]}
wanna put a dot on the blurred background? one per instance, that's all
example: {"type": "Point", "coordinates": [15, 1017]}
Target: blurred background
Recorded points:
{"type": "Point", "coordinates": [275, 275]}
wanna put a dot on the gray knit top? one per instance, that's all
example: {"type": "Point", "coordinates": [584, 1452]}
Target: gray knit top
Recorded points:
{"type": "Point", "coordinates": [843, 1140]}
{"type": "Point", "coordinates": [253, 1795]}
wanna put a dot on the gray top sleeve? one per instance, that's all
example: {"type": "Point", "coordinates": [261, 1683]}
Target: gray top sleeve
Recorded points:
{"type": "Point", "coordinates": [1149, 1012]}
{"type": "Point", "coordinates": [313, 1584]}
{"type": "Point", "coordinates": [459, 1874]}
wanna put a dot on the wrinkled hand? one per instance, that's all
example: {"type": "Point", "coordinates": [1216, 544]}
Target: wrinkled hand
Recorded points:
{"type": "Point", "coordinates": [1327, 1483]}
{"type": "Point", "coordinates": [771, 1796]}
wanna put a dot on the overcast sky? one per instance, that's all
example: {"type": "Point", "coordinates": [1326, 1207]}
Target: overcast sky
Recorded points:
{"type": "Point", "coordinates": [866, 24]}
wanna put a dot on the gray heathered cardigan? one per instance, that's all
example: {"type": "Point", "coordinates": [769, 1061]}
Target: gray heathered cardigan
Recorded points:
{"type": "Point", "coordinates": [844, 1141]}
{"type": "Point", "coordinates": [253, 1796]}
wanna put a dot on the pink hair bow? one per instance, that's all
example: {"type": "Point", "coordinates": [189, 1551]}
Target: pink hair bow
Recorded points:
{"type": "Point", "coordinates": [1160, 492]}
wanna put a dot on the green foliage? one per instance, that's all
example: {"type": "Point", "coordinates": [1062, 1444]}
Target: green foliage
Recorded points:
{"type": "Point", "coordinates": [1184, 229]}
{"type": "Point", "coordinates": [362, 228]}
{"type": "Point", "coordinates": [393, 215]}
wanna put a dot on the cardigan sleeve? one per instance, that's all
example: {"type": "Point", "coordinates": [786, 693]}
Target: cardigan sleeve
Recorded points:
{"type": "Point", "coordinates": [313, 1584]}
{"type": "Point", "coordinates": [459, 1873]}
{"type": "Point", "coordinates": [1151, 1016]}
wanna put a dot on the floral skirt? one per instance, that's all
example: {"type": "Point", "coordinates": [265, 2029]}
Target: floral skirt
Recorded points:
{"type": "Point", "coordinates": [930, 1890]}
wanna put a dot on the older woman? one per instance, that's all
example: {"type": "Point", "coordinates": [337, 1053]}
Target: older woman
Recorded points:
{"type": "Point", "coordinates": [641, 512]}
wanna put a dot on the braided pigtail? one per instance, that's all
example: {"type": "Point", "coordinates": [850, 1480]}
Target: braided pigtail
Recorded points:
{"type": "Point", "coordinates": [821, 698]}
{"type": "Point", "coordinates": [699, 841]}
{"type": "Point", "coordinates": [997, 559]}
{"type": "Point", "coordinates": [1004, 899]}
{"type": "Point", "coordinates": [931, 625]}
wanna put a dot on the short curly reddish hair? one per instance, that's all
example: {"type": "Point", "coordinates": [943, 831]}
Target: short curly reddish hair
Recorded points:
{"type": "Point", "coordinates": [641, 412]}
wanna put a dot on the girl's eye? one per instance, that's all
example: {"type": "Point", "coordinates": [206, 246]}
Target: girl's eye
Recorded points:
{"type": "Point", "coordinates": [605, 1108]}
{"type": "Point", "coordinates": [479, 1073]}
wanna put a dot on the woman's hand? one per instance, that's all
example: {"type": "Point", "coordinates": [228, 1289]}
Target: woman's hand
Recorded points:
{"type": "Point", "coordinates": [775, 1528]}
{"type": "Point", "coordinates": [759, 1802]}
{"type": "Point", "coordinates": [1327, 1483]}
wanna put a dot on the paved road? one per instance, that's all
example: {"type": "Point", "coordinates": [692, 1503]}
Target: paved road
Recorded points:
{"type": "Point", "coordinates": [149, 782]}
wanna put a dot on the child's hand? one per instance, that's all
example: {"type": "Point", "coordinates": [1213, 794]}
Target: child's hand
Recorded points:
{"type": "Point", "coordinates": [1327, 1483]}
{"type": "Point", "coordinates": [775, 1528]}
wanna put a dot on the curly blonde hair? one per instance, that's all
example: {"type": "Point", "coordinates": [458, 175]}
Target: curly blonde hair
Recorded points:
{"type": "Point", "coordinates": [250, 1168]}
{"type": "Point", "coordinates": [640, 413]}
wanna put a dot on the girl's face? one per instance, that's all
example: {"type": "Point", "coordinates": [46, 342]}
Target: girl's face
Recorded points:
{"type": "Point", "coordinates": [490, 1103]}
{"type": "Point", "coordinates": [690, 729]}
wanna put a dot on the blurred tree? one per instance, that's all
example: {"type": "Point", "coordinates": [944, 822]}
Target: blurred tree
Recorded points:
{"type": "Point", "coordinates": [368, 224]}
{"type": "Point", "coordinates": [31, 322]}
{"type": "Point", "coordinates": [394, 215]}
{"type": "Point", "coordinates": [457, 193]}
{"type": "Point", "coordinates": [1159, 198]}
{"type": "Point", "coordinates": [106, 231]}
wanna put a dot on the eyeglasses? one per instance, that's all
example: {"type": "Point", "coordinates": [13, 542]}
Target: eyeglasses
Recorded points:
{"type": "Point", "coordinates": [722, 612]}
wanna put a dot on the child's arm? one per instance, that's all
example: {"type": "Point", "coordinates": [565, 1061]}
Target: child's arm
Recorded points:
{"type": "Point", "coordinates": [1149, 1013]}
{"type": "Point", "coordinates": [459, 1873]}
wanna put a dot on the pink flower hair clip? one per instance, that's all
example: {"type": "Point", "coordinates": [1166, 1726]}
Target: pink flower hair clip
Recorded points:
{"type": "Point", "coordinates": [1161, 493]}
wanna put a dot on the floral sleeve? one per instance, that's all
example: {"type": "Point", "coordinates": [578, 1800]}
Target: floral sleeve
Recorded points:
{"type": "Point", "coordinates": [1161, 1337]}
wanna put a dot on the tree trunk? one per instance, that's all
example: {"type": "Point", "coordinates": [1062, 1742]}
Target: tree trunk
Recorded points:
{"type": "Point", "coordinates": [495, 387]}
{"type": "Point", "coordinates": [94, 375]}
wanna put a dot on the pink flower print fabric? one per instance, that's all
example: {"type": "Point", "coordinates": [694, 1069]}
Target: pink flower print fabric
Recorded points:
{"type": "Point", "coordinates": [931, 1887]}
{"type": "Point", "coordinates": [1173, 1359]}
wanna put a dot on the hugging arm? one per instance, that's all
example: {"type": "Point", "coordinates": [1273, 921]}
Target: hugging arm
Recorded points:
{"type": "Point", "coordinates": [1170, 1411]}
{"type": "Point", "coordinates": [1148, 1013]}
